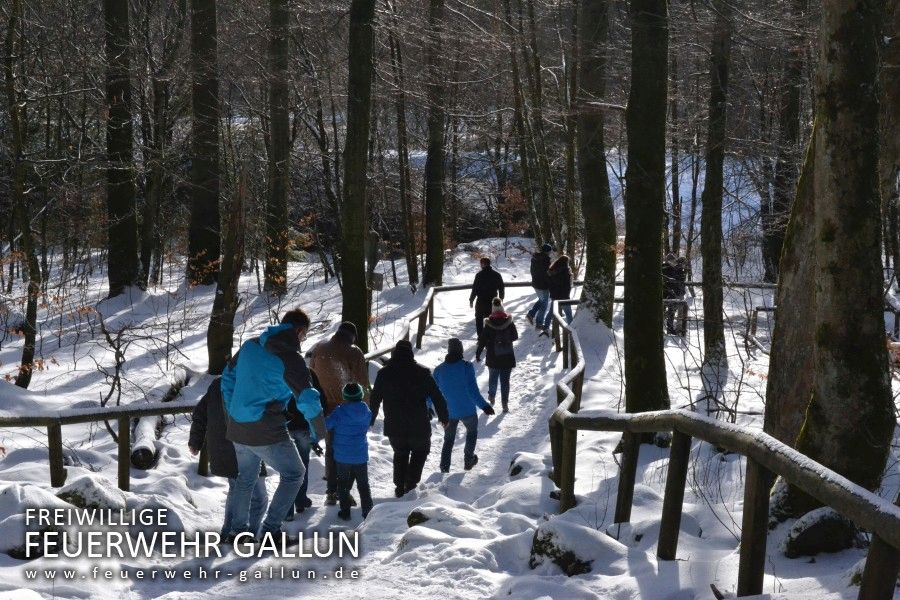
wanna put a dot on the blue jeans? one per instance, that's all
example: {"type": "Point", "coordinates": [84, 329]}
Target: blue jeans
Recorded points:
{"type": "Point", "coordinates": [303, 443]}
{"type": "Point", "coordinates": [346, 475]}
{"type": "Point", "coordinates": [282, 457]}
{"type": "Point", "coordinates": [471, 424]}
{"type": "Point", "coordinates": [259, 498]}
{"type": "Point", "coordinates": [567, 310]}
{"type": "Point", "coordinates": [503, 376]}
{"type": "Point", "coordinates": [541, 308]}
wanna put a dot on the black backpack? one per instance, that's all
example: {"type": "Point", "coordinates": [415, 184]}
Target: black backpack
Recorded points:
{"type": "Point", "coordinates": [503, 345]}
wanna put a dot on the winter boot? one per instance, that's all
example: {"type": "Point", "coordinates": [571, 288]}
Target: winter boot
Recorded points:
{"type": "Point", "coordinates": [344, 515]}
{"type": "Point", "coordinates": [491, 399]}
{"type": "Point", "coordinates": [331, 498]}
{"type": "Point", "coordinates": [530, 319]}
{"type": "Point", "coordinates": [469, 464]}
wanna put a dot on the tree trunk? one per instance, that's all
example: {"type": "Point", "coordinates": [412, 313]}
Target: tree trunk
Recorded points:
{"type": "Point", "coordinates": [792, 361]}
{"type": "Point", "coordinates": [122, 235]}
{"type": "Point", "coordinates": [220, 333]}
{"type": "Point", "coordinates": [596, 201]}
{"type": "Point", "coordinates": [571, 122]}
{"type": "Point", "coordinates": [645, 202]}
{"type": "Point", "coordinates": [434, 162]}
{"type": "Point", "coordinates": [279, 151]}
{"type": "Point", "coordinates": [676, 167]}
{"type": "Point", "coordinates": [889, 165]}
{"type": "Point", "coordinates": [353, 217]}
{"type": "Point", "coordinates": [850, 420]}
{"type": "Point", "coordinates": [405, 177]}
{"type": "Point", "coordinates": [204, 235]}
{"type": "Point", "coordinates": [786, 165]}
{"type": "Point", "coordinates": [715, 360]}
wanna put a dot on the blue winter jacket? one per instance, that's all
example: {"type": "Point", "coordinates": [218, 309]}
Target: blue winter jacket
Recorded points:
{"type": "Point", "coordinates": [259, 381]}
{"type": "Point", "coordinates": [456, 380]}
{"type": "Point", "coordinates": [350, 422]}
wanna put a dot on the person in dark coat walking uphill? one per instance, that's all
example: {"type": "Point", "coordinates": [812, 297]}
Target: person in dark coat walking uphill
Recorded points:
{"type": "Point", "coordinates": [456, 379]}
{"type": "Point", "coordinates": [257, 384]}
{"type": "Point", "coordinates": [488, 285]}
{"type": "Point", "coordinates": [304, 438]}
{"type": "Point", "coordinates": [674, 276]}
{"type": "Point", "coordinates": [404, 386]}
{"type": "Point", "coordinates": [497, 337]}
{"type": "Point", "coordinates": [560, 276]}
{"type": "Point", "coordinates": [208, 426]}
{"type": "Point", "coordinates": [540, 264]}
{"type": "Point", "coordinates": [349, 424]}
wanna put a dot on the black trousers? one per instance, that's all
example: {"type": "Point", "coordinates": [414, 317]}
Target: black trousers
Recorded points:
{"type": "Point", "coordinates": [482, 312]}
{"type": "Point", "coordinates": [346, 475]}
{"type": "Point", "coordinates": [330, 468]}
{"type": "Point", "coordinates": [409, 460]}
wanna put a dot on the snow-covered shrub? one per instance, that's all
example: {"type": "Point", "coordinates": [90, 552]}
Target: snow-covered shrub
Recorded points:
{"type": "Point", "coordinates": [92, 491]}
{"type": "Point", "coordinates": [526, 463]}
{"type": "Point", "coordinates": [576, 549]}
{"type": "Point", "coordinates": [15, 498]}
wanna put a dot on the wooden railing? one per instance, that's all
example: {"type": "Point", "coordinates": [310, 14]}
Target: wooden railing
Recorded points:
{"type": "Point", "coordinates": [766, 457]}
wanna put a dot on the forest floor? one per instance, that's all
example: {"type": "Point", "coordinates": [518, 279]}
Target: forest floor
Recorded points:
{"type": "Point", "coordinates": [481, 524]}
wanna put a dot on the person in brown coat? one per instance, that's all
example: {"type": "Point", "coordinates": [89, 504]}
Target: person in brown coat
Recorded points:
{"type": "Point", "coordinates": [337, 362]}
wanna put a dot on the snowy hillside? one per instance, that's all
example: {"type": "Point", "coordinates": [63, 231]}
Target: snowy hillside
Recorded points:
{"type": "Point", "coordinates": [473, 533]}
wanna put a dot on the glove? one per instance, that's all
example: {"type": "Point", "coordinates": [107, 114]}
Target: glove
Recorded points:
{"type": "Point", "coordinates": [488, 410]}
{"type": "Point", "coordinates": [471, 303]}
{"type": "Point", "coordinates": [317, 449]}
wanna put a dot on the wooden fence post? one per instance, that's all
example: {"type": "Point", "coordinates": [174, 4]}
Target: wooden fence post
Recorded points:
{"type": "Point", "coordinates": [566, 340]}
{"type": "Point", "coordinates": [124, 453]}
{"type": "Point", "coordinates": [554, 328]}
{"type": "Point", "coordinates": [631, 444]}
{"type": "Point", "coordinates": [676, 479]}
{"type": "Point", "coordinates": [567, 470]}
{"type": "Point", "coordinates": [421, 333]}
{"type": "Point", "coordinates": [431, 310]}
{"type": "Point", "coordinates": [754, 530]}
{"type": "Point", "coordinates": [882, 567]}
{"type": "Point", "coordinates": [55, 448]}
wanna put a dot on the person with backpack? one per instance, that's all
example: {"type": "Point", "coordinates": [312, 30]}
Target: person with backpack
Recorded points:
{"type": "Point", "coordinates": [349, 424]}
{"type": "Point", "coordinates": [208, 427]}
{"type": "Point", "coordinates": [560, 279]}
{"type": "Point", "coordinates": [540, 264]}
{"type": "Point", "coordinates": [257, 384]}
{"type": "Point", "coordinates": [456, 379]}
{"type": "Point", "coordinates": [404, 386]}
{"type": "Point", "coordinates": [488, 284]}
{"type": "Point", "coordinates": [497, 338]}
{"type": "Point", "coordinates": [337, 362]}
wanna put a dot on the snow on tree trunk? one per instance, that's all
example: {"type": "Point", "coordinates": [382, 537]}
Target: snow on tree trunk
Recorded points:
{"type": "Point", "coordinates": [850, 421]}
{"type": "Point", "coordinates": [596, 201]}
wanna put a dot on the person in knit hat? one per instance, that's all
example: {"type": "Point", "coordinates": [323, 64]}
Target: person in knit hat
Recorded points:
{"type": "Point", "coordinates": [404, 386]}
{"type": "Point", "coordinates": [488, 283]}
{"type": "Point", "coordinates": [497, 338]}
{"type": "Point", "coordinates": [456, 379]}
{"type": "Point", "coordinates": [349, 424]}
{"type": "Point", "coordinates": [337, 362]}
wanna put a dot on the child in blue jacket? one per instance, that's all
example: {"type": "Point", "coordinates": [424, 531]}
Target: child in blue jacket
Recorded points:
{"type": "Point", "coordinates": [456, 380]}
{"type": "Point", "coordinates": [350, 422]}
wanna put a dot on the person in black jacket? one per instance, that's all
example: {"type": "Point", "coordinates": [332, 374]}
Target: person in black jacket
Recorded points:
{"type": "Point", "coordinates": [404, 386]}
{"type": "Point", "coordinates": [560, 276]}
{"type": "Point", "coordinates": [674, 276]}
{"type": "Point", "coordinates": [208, 426]}
{"type": "Point", "coordinates": [540, 264]}
{"type": "Point", "coordinates": [497, 337]}
{"type": "Point", "coordinates": [488, 285]}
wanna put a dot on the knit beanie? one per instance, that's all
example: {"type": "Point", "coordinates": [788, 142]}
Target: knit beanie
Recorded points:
{"type": "Point", "coordinates": [454, 347]}
{"type": "Point", "coordinates": [352, 392]}
{"type": "Point", "coordinates": [497, 305]}
{"type": "Point", "coordinates": [403, 351]}
{"type": "Point", "coordinates": [546, 248]}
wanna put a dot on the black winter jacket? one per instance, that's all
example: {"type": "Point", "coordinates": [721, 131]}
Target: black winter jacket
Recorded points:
{"type": "Point", "coordinates": [208, 425]}
{"type": "Point", "coordinates": [403, 385]}
{"type": "Point", "coordinates": [673, 281]}
{"type": "Point", "coordinates": [540, 262]}
{"type": "Point", "coordinates": [488, 285]}
{"type": "Point", "coordinates": [560, 283]}
{"type": "Point", "coordinates": [497, 337]}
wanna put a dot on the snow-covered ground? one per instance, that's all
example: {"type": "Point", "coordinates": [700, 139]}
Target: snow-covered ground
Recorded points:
{"type": "Point", "coordinates": [480, 526]}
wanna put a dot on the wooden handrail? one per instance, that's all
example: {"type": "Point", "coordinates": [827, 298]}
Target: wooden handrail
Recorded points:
{"type": "Point", "coordinates": [766, 456]}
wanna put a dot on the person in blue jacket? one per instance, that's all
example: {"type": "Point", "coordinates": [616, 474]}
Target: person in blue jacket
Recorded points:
{"type": "Point", "coordinates": [257, 384]}
{"type": "Point", "coordinates": [350, 423]}
{"type": "Point", "coordinates": [456, 380]}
